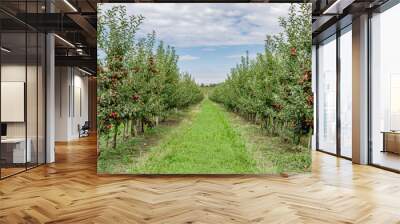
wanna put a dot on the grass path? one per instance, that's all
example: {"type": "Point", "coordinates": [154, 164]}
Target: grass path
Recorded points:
{"type": "Point", "coordinates": [204, 138]}
{"type": "Point", "coordinates": [207, 144]}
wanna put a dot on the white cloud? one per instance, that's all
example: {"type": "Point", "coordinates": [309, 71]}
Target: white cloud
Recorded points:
{"type": "Point", "coordinates": [210, 76]}
{"type": "Point", "coordinates": [209, 81]}
{"type": "Point", "coordinates": [207, 24]}
{"type": "Point", "coordinates": [208, 49]}
{"type": "Point", "coordinates": [188, 58]}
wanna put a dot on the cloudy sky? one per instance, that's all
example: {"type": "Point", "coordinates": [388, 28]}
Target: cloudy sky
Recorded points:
{"type": "Point", "coordinates": [210, 38]}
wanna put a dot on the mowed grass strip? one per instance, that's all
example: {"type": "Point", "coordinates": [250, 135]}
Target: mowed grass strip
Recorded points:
{"type": "Point", "coordinates": [273, 154]}
{"type": "Point", "coordinates": [207, 145]}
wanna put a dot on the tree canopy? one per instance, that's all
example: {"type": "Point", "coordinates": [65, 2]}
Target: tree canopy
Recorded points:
{"type": "Point", "coordinates": [138, 80]}
{"type": "Point", "coordinates": [274, 89]}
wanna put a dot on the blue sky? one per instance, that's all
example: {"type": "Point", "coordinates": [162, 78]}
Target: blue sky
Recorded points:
{"type": "Point", "coordinates": [210, 38]}
{"type": "Point", "coordinates": [212, 64]}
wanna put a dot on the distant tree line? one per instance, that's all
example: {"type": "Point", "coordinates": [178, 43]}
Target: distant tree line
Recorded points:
{"type": "Point", "coordinates": [274, 89]}
{"type": "Point", "coordinates": [139, 83]}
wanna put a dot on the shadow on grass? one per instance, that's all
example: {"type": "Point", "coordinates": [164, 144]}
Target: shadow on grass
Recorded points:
{"type": "Point", "coordinates": [129, 150]}
{"type": "Point", "coordinates": [273, 154]}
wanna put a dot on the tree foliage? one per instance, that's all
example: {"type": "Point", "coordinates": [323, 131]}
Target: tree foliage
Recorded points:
{"type": "Point", "coordinates": [274, 89]}
{"type": "Point", "coordinates": [138, 80]}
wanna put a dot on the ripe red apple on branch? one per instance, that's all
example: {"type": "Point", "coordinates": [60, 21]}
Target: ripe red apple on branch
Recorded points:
{"type": "Point", "coordinates": [135, 97]}
{"type": "Point", "coordinates": [114, 115]}
{"type": "Point", "coordinates": [293, 51]}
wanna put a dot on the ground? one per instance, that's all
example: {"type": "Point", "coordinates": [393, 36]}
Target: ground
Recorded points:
{"type": "Point", "coordinates": [205, 139]}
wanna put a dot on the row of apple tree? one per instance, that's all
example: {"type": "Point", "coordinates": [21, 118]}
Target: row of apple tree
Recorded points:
{"type": "Point", "coordinates": [274, 89]}
{"type": "Point", "coordinates": [139, 82]}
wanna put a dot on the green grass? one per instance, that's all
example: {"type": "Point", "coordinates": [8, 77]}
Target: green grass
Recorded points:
{"type": "Point", "coordinates": [204, 139]}
{"type": "Point", "coordinates": [130, 151]}
{"type": "Point", "coordinates": [274, 155]}
{"type": "Point", "coordinates": [207, 145]}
